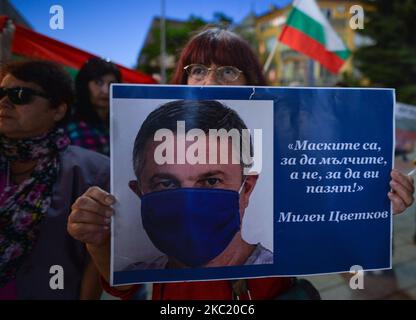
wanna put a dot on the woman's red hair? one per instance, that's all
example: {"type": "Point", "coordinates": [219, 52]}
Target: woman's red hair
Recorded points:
{"type": "Point", "coordinates": [223, 48]}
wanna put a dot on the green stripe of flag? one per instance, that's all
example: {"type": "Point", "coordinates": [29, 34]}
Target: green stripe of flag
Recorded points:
{"type": "Point", "coordinates": [72, 71]}
{"type": "Point", "coordinates": [298, 20]}
{"type": "Point", "coordinates": [344, 55]}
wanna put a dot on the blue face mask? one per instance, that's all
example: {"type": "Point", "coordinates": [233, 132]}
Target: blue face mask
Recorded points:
{"type": "Point", "coordinates": [193, 225]}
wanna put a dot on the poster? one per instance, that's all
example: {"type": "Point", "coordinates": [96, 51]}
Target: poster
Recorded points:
{"type": "Point", "coordinates": [301, 189]}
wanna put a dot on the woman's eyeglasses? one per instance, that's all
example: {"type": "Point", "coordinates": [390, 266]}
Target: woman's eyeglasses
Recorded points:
{"type": "Point", "coordinates": [223, 74]}
{"type": "Point", "coordinates": [21, 95]}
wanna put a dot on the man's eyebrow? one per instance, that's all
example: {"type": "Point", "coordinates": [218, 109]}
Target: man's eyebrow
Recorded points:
{"type": "Point", "coordinates": [212, 173]}
{"type": "Point", "coordinates": [162, 175]}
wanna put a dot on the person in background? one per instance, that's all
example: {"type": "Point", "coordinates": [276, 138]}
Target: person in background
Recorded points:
{"type": "Point", "coordinates": [41, 175]}
{"type": "Point", "coordinates": [89, 124]}
{"type": "Point", "coordinates": [212, 57]}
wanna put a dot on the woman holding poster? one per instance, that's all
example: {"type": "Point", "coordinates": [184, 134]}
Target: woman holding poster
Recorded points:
{"type": "Point", "coordinates": [213, 57]}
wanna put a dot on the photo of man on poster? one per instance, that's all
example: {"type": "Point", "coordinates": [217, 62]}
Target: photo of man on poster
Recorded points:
{"type": "Point", "coordinates": [192, 212]}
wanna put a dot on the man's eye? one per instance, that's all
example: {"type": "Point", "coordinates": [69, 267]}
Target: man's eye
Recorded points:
{"type": "Point", "coordinates": [212, 182]}
{"type": "Point", "coordinates": [164, 184]}
{"type": "Point", "coordinates": [99, 82]}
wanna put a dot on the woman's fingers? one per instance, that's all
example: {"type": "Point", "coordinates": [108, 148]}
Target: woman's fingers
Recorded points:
{"type": "Point", "coordinates": [400, 190]}
{"type": "Point", "coordinates": [90, 216]}
{"type": "Point", "coordinates": [82, 216]}
{"type": "Point", "coordinates": [86, 203]}
{"type": "Point", "coordinates": [398, 204]}
{"type": "Point", "coordinates": [89, 233]}
{"type": "Point", "coordinates": [404, 180]}
{"type": "Point", "coordinates": [101, 196]}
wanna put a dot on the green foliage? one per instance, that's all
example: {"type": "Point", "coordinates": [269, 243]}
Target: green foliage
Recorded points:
{"type": "Point", "coordinates": [391, 60]}
{"type": "Point", "coordinates": [176, 37]}
{"type": "Point", "coordinates": [222, 19]}
{"type": "Point", "coordinates": [177, 34]}
{"type": "Point", "coordinates": [348, 80]}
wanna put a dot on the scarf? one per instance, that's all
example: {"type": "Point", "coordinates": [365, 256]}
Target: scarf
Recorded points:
{"type": "Point", "coordinates": [23, 206]}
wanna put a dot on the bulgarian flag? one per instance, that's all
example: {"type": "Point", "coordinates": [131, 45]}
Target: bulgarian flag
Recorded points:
{"type": "Point", "coordinates": [309, 32]}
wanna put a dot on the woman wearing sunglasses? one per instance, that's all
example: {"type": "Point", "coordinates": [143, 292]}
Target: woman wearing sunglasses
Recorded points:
{"type": "Point", "coordinates": [89, 126]}
{"type": "Point", "coordinates": [212, 57]}
{"type": "Point", "coordinates": [40, 177]}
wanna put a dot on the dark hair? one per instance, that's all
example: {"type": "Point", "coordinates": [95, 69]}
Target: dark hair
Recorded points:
{"type": "Point", "coordinates": [93, 69]}
{"type": "Point", "coordinates": [341, 84]}
{"type": "Point", "coordinates": [197, 114]}
{"type": "Point", "coordinates": [52, 78]}
{"type": "Point", "coordinates": [222, 47]}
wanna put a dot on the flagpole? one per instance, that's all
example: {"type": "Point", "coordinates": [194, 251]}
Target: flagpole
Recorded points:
{"type": "Point", "coordinates": [274, 50]}
{"type": "Point", "coordinates": [271, 56]}
{"type": "Point", "coordinates": [310, 74]}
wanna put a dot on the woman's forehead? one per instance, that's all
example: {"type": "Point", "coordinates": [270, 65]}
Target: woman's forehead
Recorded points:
{"type": "Point", "coordinates": [216, 55]}
{"type": "Point", "coordinates": [105, 76]}
{"type": "Point", "coordinates": [11, 81]}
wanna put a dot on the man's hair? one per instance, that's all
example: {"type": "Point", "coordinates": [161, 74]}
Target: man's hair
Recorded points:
{"type": "Point", "coordinates": [223, 48]}
{"type": "Point", "coordinates": [52, 78]}
{"type": "Point", "coordinates": [197, 114]}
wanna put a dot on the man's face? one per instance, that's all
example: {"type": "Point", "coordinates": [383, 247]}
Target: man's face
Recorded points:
{"type": "Point", "coordinates": [156, 177]}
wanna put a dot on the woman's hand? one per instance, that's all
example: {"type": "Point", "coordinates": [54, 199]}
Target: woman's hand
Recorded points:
{"type": "Point", "coordinates": [402, 189]}
{"type": "Point", "coordinates": [89, 222]}
{"type": "Point", "coordinates": [90, 218]}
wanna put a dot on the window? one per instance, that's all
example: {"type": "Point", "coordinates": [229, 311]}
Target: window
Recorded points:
{"type": "Point", "coordinates": [341, 9]}
{"type": "Point", "coordinates": [327, 13]}
{"type": "Point", "coordinates": [361, 40]}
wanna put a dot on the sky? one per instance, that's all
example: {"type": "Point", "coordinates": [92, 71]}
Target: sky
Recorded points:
{"type": "Point", "coordinates": [116, 30]}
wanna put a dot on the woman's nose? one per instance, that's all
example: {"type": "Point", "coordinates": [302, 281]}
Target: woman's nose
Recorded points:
{"type": "Point", "coordinates": [105, 88]}
{"type": "Point", "coordinates": [5, 103]}
{"type": "Point", "coordinates": [211, 79]}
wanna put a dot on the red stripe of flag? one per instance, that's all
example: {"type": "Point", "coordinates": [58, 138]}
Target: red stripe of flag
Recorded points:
{"type": "Point", "coordinates": [301, 42]}
{"type": "Point", "coordinates": [31, 44]}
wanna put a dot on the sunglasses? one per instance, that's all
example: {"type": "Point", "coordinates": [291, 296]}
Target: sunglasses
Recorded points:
{"type": "Point", "coordinates": [21, 95]}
